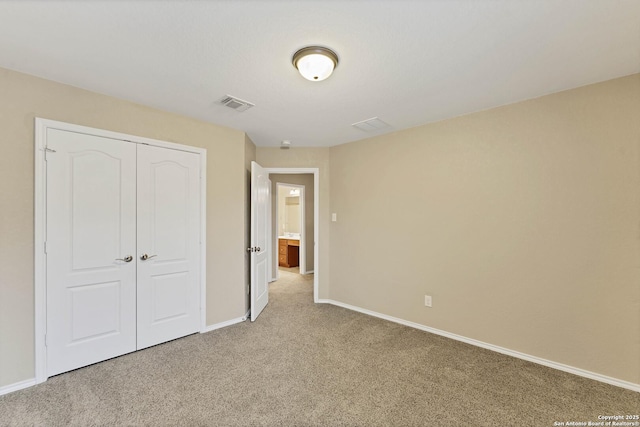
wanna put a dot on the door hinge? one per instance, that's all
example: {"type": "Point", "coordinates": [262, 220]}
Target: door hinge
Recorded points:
{"type": "Point", "coordinates": [45, 247]}
{"type": "Point", "coordinates": [47, 150]}
{"type": "Point", "coordinates": [46, 340]}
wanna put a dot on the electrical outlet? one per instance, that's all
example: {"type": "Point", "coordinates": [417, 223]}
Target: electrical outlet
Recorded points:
{"type": "Point", "coordinates": [427, 301]}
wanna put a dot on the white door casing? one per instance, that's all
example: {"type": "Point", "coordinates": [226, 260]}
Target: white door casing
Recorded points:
{"type": "Point", "coordinates": [303, 230]}
{"type": "Point", "coordinates": [168, 244]}
{"type": "Point", "coordinates": [87, 300]}
{"type": "Point", "coordinates": [260, 239]}
{"type": "Point", "coordinates": [91, 214]}
{"type": "Point", "coordinates": [270, 251]}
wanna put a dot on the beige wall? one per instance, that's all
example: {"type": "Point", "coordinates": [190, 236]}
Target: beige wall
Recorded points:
{"type": "Point", "coordinates": [308, 158]}
{"type": "Point", "coordinates": [292, 214]}
{"type": "Point", "coordinates": [22, 98]}
{"type": "Point", "coordinates": [522, 222]}
{"type": "Point", "coordinates": [298, 179]}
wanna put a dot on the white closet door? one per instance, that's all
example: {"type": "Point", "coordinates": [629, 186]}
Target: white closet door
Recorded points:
{"type": "Point", "coordinates": [91, 230]}
{"type": "Point", "coordinates": [168, 244]}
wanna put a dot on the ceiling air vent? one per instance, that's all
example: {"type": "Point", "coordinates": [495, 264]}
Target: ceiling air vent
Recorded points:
{"type": "Point", "coordinates": [371, 125]}
{"type": "Point", "coordinates": [235, 103]}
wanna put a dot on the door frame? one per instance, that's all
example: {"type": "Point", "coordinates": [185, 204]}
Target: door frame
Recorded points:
{"type": "Point", "coordinates": [40, 232]}
{"type": "Point", "coordinates": [316, 218]}
{"type": "Point", "coordinates": [303, 234]}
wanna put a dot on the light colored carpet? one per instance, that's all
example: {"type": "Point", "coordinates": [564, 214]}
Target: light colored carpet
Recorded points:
{"type": "Point", "coordinates": [302, 364]}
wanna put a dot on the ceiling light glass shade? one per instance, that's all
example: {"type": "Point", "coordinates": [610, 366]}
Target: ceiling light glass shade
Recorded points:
{"type": "Point", "coordinates": [315, 63]}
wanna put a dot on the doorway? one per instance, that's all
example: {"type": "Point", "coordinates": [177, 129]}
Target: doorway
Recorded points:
{"type": "Point", "coordinates": [311, 182]}
{"type": "Point", "coordinates": [290, 225]}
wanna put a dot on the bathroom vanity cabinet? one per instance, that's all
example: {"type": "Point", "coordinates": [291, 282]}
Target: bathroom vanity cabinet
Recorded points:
{"type": "Point", "coordinates": [288, 252]}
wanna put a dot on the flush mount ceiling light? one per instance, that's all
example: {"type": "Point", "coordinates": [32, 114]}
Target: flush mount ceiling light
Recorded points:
{"type": "Point", "coordinates": [315, 63]}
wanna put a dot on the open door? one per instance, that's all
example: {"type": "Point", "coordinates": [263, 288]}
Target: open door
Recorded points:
{"type": "Point", "coordinates": [260, 238]}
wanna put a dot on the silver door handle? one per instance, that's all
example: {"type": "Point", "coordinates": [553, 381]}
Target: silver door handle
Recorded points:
{"type": "Point", "coordinates": [128, 258]}
{"type": "Point", "coordinates": [254, 249]}
{"type": "Point", "coordinates": [145, 257]}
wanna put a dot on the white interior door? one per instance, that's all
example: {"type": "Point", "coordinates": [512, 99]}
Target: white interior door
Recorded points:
{"type": "Point", "coordinates": [168, 244]}
{"type": "Point", "coordinates": [260, 239]}
{"type": "Point", "coordinates": [90, 244]}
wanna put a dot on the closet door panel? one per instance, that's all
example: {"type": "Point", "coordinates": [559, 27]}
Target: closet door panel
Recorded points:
{"type": "Point", "coordinates": [91, 220]}
{"type": "Point", "coordinates": [168, 244]}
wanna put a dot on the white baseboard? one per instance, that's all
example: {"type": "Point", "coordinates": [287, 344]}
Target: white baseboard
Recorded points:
{"type": "Point", "coordinates": [17, 386]}
{"type": "Point", "coordinates": [226, 323]}
{"type": "Point", "coordinates": [551, 364]}
{"type": "Point", "coordinates": [308, 272]}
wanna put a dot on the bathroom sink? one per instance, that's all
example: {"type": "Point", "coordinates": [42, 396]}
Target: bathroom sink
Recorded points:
{"type": "Point", "coordinates": [293, 236]}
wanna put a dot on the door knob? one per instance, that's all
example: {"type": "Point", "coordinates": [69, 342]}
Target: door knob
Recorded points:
{"type": "Point", "coordinates": [128, 258]}
{"type": "Point", "coordinates": [145, 257]}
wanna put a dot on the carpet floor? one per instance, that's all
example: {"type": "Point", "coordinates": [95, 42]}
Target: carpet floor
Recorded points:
{"type": "Point", "coordinates": [305, 364]}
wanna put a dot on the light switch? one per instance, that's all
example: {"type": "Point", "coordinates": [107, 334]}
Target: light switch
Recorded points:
{"type": "Point", "coordinates": [334, 217]}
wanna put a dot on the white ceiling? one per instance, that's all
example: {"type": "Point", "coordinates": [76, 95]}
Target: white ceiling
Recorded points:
{"type": "Point", "coordinates": [406, 62]}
